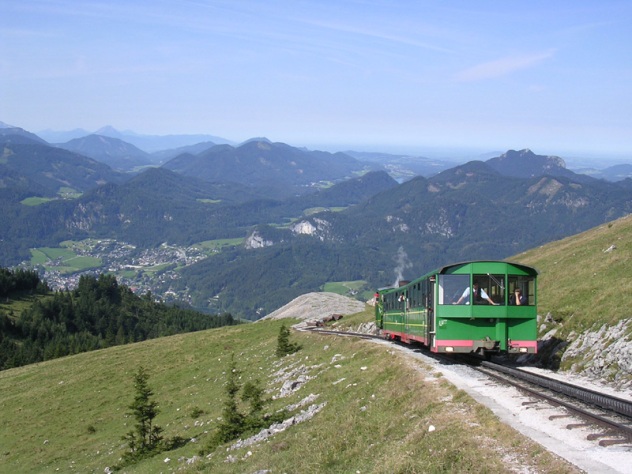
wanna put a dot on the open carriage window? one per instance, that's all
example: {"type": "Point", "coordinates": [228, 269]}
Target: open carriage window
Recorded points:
{"type": "Point", "coordinates": [521, 290]}
{"type": "Point", "coordinates": [489, 287]}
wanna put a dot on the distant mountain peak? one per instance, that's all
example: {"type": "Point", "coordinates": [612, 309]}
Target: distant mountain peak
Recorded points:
{"type": "Point", "coordinates": [550, 161]}
{"type": "Point", "coordinates": [108, 131]}
{"type": "Point", "coordinates": [524, 164]}
{"type": "Point", "coordinates": [256, 140]}
{"type": "Point", "coordinates": [10, 134]}
{"type": "Point", "coordinates": [109, 150]}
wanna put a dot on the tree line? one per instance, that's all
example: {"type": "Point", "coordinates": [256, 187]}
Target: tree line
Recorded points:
{"type": "Point", "coordinates": [20, 281]}
{"type": "Point", "coordinates": [99, 313]}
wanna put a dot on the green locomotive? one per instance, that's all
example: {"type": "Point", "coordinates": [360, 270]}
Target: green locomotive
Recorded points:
{"type": "Point", "coordinates": [483, 307]}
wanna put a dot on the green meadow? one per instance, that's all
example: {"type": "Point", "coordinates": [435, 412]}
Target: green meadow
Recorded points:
{"type": "Point", "coordinates": [63, 259]}
{"type": "Point", "coordinates": [378, 407]}
{"type": "Point", "coordinates": [219, 244]}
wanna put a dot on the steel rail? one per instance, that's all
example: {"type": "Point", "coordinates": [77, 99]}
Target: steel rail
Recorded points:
{"type": "Point", "coordinates": [618, 429]}
{"type": "Point", "coordinates": [607, 402]}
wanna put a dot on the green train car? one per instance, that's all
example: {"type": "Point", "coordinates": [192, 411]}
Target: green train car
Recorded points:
{"type": "Point", "coordinates": [482, 307]}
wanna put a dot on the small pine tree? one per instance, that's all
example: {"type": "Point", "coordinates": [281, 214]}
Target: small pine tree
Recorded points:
{"type": "Point", "coordinates": [145, 438]}
{"type": "Point", "coordinates": [235, 423]}
{"type": "Point", "coordinates": [232, 424]}
{"type": "Point", "coordinates": [252, 393]}
{"type": "Point", "coordinates": [284, 346]}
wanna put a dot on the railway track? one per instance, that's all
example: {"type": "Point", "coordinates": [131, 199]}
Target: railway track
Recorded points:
{"type": "Point", "coordinates": [612, 415]}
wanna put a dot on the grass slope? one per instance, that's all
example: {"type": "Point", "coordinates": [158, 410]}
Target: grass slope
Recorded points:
{"type": "Point", "coordinates": [581, 283]}
{"type": "Point", "coordinates": [69, 414]}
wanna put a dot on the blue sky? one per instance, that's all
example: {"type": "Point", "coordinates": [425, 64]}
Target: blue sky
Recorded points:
{"type": "Point", "coordinates": [553, 76]}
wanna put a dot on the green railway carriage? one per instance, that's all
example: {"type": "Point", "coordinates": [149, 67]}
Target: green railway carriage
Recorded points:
{"type": "Point", "coordinates": [483, 307]}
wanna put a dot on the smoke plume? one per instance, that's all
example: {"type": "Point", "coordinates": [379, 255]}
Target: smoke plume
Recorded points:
{"type": "Point", "coordinates": [401, 263]}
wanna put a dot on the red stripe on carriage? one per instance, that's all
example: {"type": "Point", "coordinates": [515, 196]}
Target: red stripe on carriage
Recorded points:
{"type": "Point", "coordinates": [405, 337]}
{"type": "Point", "coordinates": [456, 343]}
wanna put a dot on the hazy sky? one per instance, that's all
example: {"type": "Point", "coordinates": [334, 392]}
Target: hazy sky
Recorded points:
{"type": "Point", "coordinates": [553, 76]}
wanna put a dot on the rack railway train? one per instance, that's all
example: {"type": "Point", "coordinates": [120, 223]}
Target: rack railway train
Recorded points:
{"type": "Point", "coordinates": [482, 307]}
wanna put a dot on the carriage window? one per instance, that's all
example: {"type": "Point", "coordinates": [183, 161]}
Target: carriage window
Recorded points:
{"type": "Point", "coordinates": [521, 290]}
{"type": "Point", "coordinates": [451, 287]}
{"type": "Point", "coordinates": [418, 294]}
{"type": "Point", "coordinates": [390, 299]}
{"type": "Point", "coordinates": [489, 287]}
{"type": "Point", "coordinates": [413, 296]}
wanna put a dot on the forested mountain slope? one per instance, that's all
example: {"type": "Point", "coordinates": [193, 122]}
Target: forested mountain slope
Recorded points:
{"type": "Point", "coordinates": [297, 235]}
{"type": "Point", "coordinates": [277, 167]}
{"type": "Point", "coordinates": [37, 325]}
{"type": "Point", "coordinates": [465, 213]}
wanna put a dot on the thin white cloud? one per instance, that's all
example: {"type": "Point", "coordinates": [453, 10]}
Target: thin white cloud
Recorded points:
{"type": "Point", "coordinates": [375, 33]}
{"type": "Point", "coordinates": [502, 67]}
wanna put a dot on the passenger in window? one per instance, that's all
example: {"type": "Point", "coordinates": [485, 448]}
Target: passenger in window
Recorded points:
{"type": "Point", "coordinates": [517, 298]}
{"type": "Point", "coordinates": [479, 296]}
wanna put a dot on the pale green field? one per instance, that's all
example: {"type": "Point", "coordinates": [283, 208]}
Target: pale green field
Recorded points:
{"type": "Point", "coordinates": [156, 268]}
{"type": "Point", "coordinates": [210, 201]}
{"type": "Point", "coordinates": [69, 261]}
{"type": "Point", "coordinates": [357, 289]}
{"type": "Point", "coordinates": [35, 201]}
{"type": "Point", "coordinates": [343, 287]}
{"type": "Point", "coordinates": [315, 210]}
{"type": "Point", "coordinates": [219, 244]}
{"type": "Point", "coordinates": [64, 192]}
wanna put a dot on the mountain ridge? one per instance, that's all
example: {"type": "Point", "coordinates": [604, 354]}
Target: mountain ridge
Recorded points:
{"type": "Point", "coordinates": [266, 165]}
{"type": "Point", "coordinates": [147, 143]}
{"type": "Point", "coordinates": [301, 234]}
{"type": "Point", "coordinates": [114, 152]}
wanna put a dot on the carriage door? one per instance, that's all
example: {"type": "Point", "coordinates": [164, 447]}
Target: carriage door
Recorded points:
{"type": "Point", "coordinates": [430, 311]}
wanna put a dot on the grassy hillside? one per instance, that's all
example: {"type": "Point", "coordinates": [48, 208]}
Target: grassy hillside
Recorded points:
{"type": "Point", "coordinates": [69, 414]}
{"type": "Point", "coordinates": [582, 284]}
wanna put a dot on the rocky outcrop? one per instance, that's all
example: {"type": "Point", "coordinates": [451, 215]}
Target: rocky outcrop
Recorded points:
{"type": "Point", "coordinates": [257, 241]}
{"type": "Point", "coordinates": [313, 306]}
{"type": "Point", "coordinates": [605, 354]}
{"type": "Point", "coordinates": [316, 227]}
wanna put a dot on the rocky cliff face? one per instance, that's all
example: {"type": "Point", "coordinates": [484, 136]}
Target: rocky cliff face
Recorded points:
{"type": "Point", "coordinates": [316, 227]}
{"type": "Point", "coordinates": [605, 354]}
{"type": "Point", "coordinates": [257, 241]}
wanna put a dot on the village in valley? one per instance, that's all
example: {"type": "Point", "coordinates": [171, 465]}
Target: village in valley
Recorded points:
{"type": "Point", "coordinates": [143, 270]}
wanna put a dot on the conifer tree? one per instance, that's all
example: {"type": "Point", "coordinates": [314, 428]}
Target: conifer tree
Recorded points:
{"type": "Point", "coordinates": [284, 346]}
{"type": "Point", "coordinates": [232, 424]}
{"type": "Point", "coordinates": [236, 423]}
{"type": "Point", "coordinates": [145, 438]}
